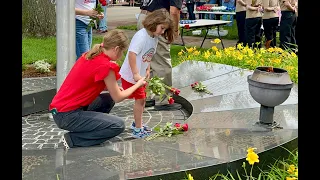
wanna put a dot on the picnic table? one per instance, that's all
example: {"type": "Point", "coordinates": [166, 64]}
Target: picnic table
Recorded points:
{"type": "Point", "coordinates": [203, 23]}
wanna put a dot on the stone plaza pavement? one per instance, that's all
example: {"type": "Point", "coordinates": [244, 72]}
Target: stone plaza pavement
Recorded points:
{"type": "Point", "coordinates": [221, 128]}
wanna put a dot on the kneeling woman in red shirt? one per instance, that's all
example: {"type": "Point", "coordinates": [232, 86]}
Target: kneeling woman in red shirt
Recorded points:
{"type": "Point", "coordinates": [79, 106]}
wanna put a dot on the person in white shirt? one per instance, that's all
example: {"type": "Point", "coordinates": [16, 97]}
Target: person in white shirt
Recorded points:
{"type": "Point", "coordinates": [136, 65]}
{"type": "Point", "coordinates": [84, 9]}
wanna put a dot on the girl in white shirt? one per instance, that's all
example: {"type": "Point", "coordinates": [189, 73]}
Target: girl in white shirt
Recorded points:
{"type": "Point", "coordinates": [137, 62]}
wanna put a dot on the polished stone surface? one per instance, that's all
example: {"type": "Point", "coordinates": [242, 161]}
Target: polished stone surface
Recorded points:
{"type": "Point", "coordinates": [221, 128]}
{"type": "Point", "coordinates": [38, 132]}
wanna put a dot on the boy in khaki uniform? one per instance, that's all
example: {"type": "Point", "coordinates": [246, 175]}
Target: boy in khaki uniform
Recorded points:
{"type": "Point", "coordinates": [253, 22]}
{"type": "Point", "coordinates": [241, 8]}
{"type": "Point", "coordinates": [288, 23]}
{"type": "Point", "coordinates": [270, 20]}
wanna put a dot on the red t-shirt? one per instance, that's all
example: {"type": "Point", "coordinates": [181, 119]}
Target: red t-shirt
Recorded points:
{"type": "Point", "coordinates": [84, 83]}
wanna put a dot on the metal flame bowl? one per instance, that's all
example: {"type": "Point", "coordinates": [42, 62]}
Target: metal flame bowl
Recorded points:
{"type": "Point", "coordinates": [269, 88]}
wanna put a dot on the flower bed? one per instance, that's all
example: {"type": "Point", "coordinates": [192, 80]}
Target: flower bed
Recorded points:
{"type": "Point", "coordinates": [245, 57]}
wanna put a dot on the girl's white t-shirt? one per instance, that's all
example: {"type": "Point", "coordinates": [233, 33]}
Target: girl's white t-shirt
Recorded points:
{"type": "Point", "coordinates": [144, 46]}
{"type": "Point", "coordinates": [87, 5]}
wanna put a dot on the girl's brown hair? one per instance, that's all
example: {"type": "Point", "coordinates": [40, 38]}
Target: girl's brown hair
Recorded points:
{"type": "Point", "coordinates": [111, 39]}
{"type": "Point", "coordinates": [160, 16]}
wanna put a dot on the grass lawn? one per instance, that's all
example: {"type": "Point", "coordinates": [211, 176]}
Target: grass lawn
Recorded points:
{"type": "Point", "coordinates": [31, 51]}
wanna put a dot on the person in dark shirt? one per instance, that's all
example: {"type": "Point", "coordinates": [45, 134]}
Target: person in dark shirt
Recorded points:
{"type": "Point", "coordinates": [161, 62]}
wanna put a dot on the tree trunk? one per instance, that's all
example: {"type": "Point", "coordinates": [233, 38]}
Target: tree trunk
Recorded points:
{"type": "Point", "coordinates": [38, 18]}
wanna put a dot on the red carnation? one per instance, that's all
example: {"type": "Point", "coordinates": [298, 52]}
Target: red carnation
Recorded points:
{"type": "Point", "coordinates": [177, 125]}
{"type": "Point", "coordinates": [185, 127]}
{"type": "Point", "coordinates": [177, 92]}
{"type": "Point", "coordinates": [171, 100]}
{"type": "Point", "coordinates": [103, 2]}
{"type": "Point", "coordinates": [187, 26]}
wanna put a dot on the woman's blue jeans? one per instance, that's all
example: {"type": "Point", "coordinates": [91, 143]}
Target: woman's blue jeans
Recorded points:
{"type": "Point", "coordinates": [90, 125]}
{"type": "Point", "coordinates": [103, 22]}
{"type": "Point", "coordinates": [83, 38]}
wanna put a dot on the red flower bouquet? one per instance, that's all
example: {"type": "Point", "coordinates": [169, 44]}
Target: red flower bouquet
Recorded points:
{"type": "Point", "coordinates": [199, 87]}
{"type": "Point", "coordinates": [93, 20]}
{"type": "Point", "coordinates": [157, 87]}
{"type": "Point", "coordinates": [168, 130]}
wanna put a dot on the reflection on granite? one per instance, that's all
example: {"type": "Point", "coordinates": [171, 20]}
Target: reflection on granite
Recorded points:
{"type": "Point", "coordinates": [286, 115]}
{"type": "Point", "coordinates": [225, 144]}
{"type": "Point", "coordinates": [131, 159]}
{"type": "Point", "coordinates": [40, 165]}
{"type": "Point", "coordinates": [232, 101]}
{"type": "Point", "coordinates": [189, 72]}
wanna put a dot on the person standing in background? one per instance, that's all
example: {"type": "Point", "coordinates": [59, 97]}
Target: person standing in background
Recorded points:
{"type": "Point", "coordinates": [241, 8]}
{"type": "Point", "coordinates": [201, 3]}
{"type": "Point", "coordinates": [228, 4]}
{"type": "Point", "coordinates": [190, 7]}
{"type": "Point", "coordinates": [270, 21]}
{"type": "Point", "coordinates": [288, 23]}
{"type": "Point", "coordinates": [84, 10]}
{"type": "Point", "coordinates": [161, 61]}
{"type": "Point", "coordinates": [103, 27]}
{"type": "Point", "coordinates": [212, 16]}
{"type": "Point", "coordinates": [253, 22]}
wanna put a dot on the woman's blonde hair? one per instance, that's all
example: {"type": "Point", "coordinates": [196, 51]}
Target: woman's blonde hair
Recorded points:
{"type": "Point", "coordinates": [160, 16]}
{"type": "Point", "coordinates": [111, 39]}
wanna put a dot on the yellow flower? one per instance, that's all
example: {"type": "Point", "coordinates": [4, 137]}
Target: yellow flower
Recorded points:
{"type": "Point", "coordinates": [291, 178]}
{"type": "Point", "coordinates": [240, 46]}
{"type": "Point", "coordinates": [289, 68]}
{"type": "Point", "coordinates": [196, 53]}
{"type": "Point", "coordinates": [251, 150]}
{"type": "Point", "coordinates": [293, 54]}
{"type": "Point", "coordinates": [270, 49]}
{"type": "Point", "coordinates": [218, 54]}
{"type": "Point", "coordinates": [190, 177]}
{"type": "Point", "coordinates": [180, 53]}
{"type": "Point", "coordinates": [276, 61]}
{"type": "Point", "coordinates": [227, 132]}
{"type": "Point", "coordinates": [252, 158]}
{"type": "Point", "coordinates": [216, 41]}
{"type": "Point", "coordinates": [206, 54]}
{"type": "Point", "coordinates": [190, 49]}
{"type": "Point", "coordinates": [291, 169]}
{"type": "Point", "coordinates": [214, 48]}
{"type": "Point", "coordinates": [296, 173]}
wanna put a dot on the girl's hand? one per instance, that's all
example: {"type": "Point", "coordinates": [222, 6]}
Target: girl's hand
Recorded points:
{"type": "Point", "coordinates": [137, 77]}
{"type": "Point", "coordinates": [121, 89]}
{"type": "Point", "coordinates": [142, 81]}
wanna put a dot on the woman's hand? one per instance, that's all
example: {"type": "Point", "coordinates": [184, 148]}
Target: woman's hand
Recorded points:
{"type": "Point", "coordinates": [100, 16]}
{"type": "Point", "coordinates": [92, 13]}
